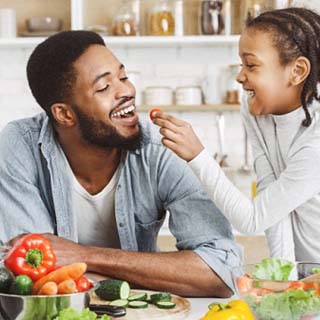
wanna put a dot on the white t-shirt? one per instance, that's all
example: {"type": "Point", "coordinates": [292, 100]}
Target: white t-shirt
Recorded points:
{"type": "Point", "coordinates": [95, 214]}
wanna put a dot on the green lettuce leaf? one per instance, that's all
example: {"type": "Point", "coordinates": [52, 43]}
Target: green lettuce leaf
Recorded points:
{"type": "Point", "coordinates": [273, 269]}
{"type": "Point", "coordinates": [290, 305]}
{"type": "Point", "coordinates": [72, 314]}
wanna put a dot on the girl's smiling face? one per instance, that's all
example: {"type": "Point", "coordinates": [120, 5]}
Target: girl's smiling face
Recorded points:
{"type": "Point", "coordinates": [266, 81]}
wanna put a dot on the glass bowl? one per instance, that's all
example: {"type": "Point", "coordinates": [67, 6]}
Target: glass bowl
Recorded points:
{"type": "Point", "coordinates": [295, 299]}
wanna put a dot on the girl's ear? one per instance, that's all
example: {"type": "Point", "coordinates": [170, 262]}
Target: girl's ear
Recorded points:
{"type": "Point", "coordinates": [63, 114]}
{"type": "Point", "coordinates": [300, 70]}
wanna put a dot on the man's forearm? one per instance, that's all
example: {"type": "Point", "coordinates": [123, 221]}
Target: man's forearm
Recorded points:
{"type": "Point", "coordinates": [182, 272]}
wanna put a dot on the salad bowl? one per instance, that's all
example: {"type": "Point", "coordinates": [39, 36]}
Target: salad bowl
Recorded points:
{"type": "Point", "coordinates": [280, 290]}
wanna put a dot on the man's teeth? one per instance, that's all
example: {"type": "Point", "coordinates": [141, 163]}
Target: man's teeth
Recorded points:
{"type": "Point", "coordinates": [250, 93]}
{"type": "Point", "coordinates": [122, 112]}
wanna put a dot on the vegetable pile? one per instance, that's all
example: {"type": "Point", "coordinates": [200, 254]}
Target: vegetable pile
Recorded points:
{"type": "Point", "coordinates": [30, 268]}
{"type": "Point", "coordinates": [118, 293]}
{"type": "Point", "coordinates": [272, 296]}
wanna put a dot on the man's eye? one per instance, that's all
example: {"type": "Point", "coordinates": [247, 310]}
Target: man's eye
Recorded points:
{"type": "Point", "coordinates": [124, 79]}
{"type": "Point", "coordinates": [103, 89]}
{"type": "Point", "coordinates": [250, 66]}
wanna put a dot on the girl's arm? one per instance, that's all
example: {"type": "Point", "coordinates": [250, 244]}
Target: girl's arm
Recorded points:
{"type": "Point", "coordinates": [295, 186]}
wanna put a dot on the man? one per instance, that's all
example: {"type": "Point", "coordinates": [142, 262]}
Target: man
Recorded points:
{"type": "Point", "coordinates": [87, 172]}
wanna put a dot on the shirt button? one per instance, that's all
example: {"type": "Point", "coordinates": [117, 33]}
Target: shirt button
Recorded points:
{"type": "Point", "coordinates": [119, 187]}
{"type": "Point", "coordinates": [121, 225]}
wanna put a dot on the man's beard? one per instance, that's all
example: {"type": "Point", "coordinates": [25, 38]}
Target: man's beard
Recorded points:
{"type": "Point", "coordinates": [99, 134]}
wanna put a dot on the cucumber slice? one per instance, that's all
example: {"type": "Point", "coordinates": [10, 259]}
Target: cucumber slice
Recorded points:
{"type": "Point", "coordinates": [119, 303]}
{"type": "Point", "coordinates": [165, 304]}
{"type": "Point", "coordinates": [162, 296]}
{"type": "Point", "coordinates": [112, 289]}
{"type": "Point", "coordinates": [138, 304]}
{"type": "Point", "coordinates": [138, 297]}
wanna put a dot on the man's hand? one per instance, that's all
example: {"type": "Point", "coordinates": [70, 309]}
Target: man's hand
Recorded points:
{"type": "Point", "coordinates": [66, 251]}
{"type": "Point", "coordinates": [178, 136]}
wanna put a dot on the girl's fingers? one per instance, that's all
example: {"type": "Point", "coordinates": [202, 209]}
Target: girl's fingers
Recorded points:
{"type": "Point", "coordinates": [169, 134]}
{"type": "Point", "coordinates": [171, 119]}
{"type": "Point", "coordinates": [170, 144]}
{"type": "Point", "coordinates": [166, 124]}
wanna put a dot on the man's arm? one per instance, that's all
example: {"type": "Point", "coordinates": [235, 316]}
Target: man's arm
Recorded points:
{"type": "Point", "coordinates": [183, 272]}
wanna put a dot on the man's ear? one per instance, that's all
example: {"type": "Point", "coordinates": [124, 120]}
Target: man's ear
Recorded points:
{"type": "Point", "coordinates": [300, 70]}
{"type": "Point", "coordinates": [63, 114]}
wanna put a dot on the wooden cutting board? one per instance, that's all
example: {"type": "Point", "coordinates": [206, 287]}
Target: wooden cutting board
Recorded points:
{"type": "Point", "coordinates": [181, 310]}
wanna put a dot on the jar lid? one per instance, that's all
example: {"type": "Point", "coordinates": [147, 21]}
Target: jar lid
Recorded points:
{"type": "Point", "coordinates": [188, 87]}
{"type": "Point", "coordinates": [158, 87]}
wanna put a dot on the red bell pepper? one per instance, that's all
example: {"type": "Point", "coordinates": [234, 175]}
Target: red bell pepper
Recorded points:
{"type": "Point", "coordinates": [32, 255]}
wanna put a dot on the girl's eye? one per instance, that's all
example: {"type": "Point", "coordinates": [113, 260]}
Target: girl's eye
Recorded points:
{"type": "Point", "coordinates": [124, 79]}
{"type": "Point", "coordinates": [103, 89]}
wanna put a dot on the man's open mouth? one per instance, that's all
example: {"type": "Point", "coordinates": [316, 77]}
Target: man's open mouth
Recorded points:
{"type": "Point", "coordinates": [250, 93]}
{"type": "Point", "coordinates": [125, 112]}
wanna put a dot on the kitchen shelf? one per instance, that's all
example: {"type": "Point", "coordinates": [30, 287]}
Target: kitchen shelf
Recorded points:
{"type": "Point", "coordinates": [200, 108]}
{"type": "Point", "coordinates": [133, 42]}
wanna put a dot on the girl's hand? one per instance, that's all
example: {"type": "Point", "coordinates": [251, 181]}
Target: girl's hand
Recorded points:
{"type": "Point", "coordinates": [178, 136]}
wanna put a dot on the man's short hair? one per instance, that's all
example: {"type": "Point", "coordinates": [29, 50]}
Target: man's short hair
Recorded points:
{"type": "Point", "coordinates": [50, 70]}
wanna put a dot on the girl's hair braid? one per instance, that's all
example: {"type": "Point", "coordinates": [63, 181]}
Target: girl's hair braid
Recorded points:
{"type": "Point", "coordinates": [295, 31]}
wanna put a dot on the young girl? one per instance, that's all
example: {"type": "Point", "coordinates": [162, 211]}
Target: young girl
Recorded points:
{"type": "Point", "coordinates": [280, 52]}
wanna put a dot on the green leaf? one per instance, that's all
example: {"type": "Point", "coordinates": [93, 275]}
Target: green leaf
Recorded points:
{"type": "Point", "coordinates": [273, 269]}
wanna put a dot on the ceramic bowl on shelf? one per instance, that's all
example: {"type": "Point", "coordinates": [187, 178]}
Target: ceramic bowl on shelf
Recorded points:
{"type": "Point", "coordinates": [43, 24]}
{"type": "Point", "coordinates": [286, 300]}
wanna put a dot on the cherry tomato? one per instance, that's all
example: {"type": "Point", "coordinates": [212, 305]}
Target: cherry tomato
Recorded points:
{"type": "Point", "coordinates": [153, 113]}
{"type": "Point", "coordinates": [83, 284]}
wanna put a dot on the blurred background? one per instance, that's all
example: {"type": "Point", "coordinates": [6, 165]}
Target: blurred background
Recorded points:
{"type": "Point", "coordinates": [182, 55]}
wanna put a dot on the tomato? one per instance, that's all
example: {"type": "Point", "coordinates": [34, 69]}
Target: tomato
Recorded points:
{"type": "Point", "coordinates": [83, 284]}
{"type": "Point", "coordinates": [153, 113]}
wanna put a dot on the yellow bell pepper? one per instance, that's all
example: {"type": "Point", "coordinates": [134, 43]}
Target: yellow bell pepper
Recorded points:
{"type": "Point", "coordinates": [234, 310]}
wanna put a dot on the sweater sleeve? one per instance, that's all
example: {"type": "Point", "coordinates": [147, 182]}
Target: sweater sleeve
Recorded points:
{"type": "Point", "coordinates": [297, 184]}
{"type": "Point", "coordinates": [280, 235]}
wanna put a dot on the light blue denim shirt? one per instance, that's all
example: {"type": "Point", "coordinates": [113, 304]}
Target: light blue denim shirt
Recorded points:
{"type": "Point", "coordinates": [35, 196]}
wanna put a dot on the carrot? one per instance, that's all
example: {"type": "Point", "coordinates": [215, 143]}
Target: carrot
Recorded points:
{"type": "Point", "coordinates": [49, 288]}
{"type": "Point", "coordinates": [70, 271]}
{"type": "Point", "coordinates": [67, 286]}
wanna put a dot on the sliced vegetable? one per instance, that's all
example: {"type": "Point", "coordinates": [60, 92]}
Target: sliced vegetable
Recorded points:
{"type": "Point", "coordinates": [22, 285]}
{"type": "Point", "coordinates": [138, 297]}
{"type": "Point", "coordinates": [70, 271]}
{"type": "Point", "coordinates": [165, 304]}
{"type": "Point", "coordinates": [6, 280]}
{"type": "Point", "coordinates": [161, 296]}
{"type": "Point", "coordinates": [32, 255]}
{"type": "Point", "coordinates": [113, 289]}
{"type": "Point", "coordinates": [119, 303]}
{"type": "Point", "coordinates": [138, 304]}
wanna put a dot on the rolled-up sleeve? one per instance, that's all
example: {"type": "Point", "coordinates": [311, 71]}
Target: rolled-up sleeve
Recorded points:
{"type": "Point", "coordinates": [195, 221]}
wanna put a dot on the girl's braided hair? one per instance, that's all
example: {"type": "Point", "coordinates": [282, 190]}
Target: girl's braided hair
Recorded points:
{"type": "Point", "coordinates": [295, 31]}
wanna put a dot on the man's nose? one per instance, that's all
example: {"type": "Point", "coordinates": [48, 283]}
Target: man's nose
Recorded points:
{"type": "Point", "coordinates": [125, 89]}
{"type": "Point", "coordinates": [241, 76]}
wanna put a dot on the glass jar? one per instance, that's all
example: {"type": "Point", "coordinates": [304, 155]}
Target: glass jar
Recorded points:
{"type": "Point", "coordinates": [233, 87]}
{"type": "Point", "coordinates": [212, 21]}
{"type": "Point", "coordinates": [124, 22]}
{"type": "Point", "coordinates": [161, 19]}
{"type": "Point", "coordinates": [254, 8]}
